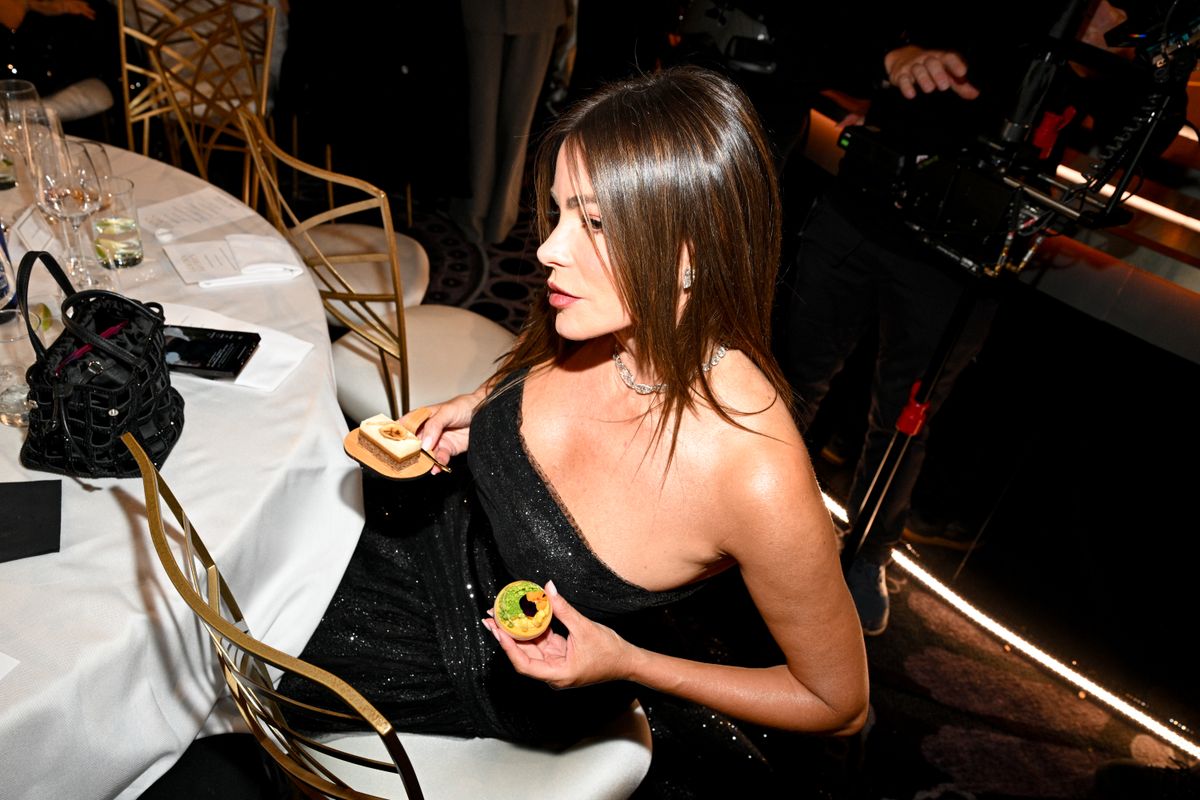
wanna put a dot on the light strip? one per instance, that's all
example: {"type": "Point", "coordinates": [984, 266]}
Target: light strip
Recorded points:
{"type": "Point", "coordinates": [1073, 677]}
{"type": "Point", "coordinates": [1140, 203]}
{"type": "Point", "coordinates": [836, 510]}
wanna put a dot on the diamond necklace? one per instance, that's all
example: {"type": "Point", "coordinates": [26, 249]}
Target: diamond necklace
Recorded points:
{"type": "Point", "coordinates": [646, 388]}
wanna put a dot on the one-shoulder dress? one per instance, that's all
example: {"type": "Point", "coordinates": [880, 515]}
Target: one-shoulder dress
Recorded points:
{"type": "Point", "coordinates": [404, 627]}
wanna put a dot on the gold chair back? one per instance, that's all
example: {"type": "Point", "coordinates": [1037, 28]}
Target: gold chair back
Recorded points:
{"type": "Point", "coordinates": [141, 24]}
{"type": "Point", "coordinates": [247, 663]}
{"type": "Point", "coordinates": [212, 66]}
{"type": "Point", "coordinates": [378, 317]}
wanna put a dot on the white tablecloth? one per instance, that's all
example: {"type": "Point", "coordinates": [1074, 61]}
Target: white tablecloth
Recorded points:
{"type": "Point", "coordinates": [111, 683]}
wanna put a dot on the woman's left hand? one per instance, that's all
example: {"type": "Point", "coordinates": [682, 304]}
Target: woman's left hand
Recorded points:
{"type": "Point", "coordinates": [590, 653]}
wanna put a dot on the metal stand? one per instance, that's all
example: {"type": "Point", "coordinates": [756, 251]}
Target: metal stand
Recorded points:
{"type": "Point", "coordinates": [910, 423]}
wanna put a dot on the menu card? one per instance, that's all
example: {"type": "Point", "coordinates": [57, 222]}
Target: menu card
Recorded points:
{"type": "Point", "coordinates": [191, 213]}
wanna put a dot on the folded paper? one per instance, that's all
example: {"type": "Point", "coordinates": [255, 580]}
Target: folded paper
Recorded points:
{"type": "Point", "coordinates": [239, 259]}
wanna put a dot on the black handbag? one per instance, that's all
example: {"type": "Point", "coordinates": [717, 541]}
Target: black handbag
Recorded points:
{"type": "Point", "coordinates": [105, 374]}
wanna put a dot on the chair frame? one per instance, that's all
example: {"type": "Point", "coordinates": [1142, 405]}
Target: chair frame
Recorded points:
{"type": "Point", "coordinates": [244, 661]}
{"type": "Point", "coordinates": [206, 89]}
{"type": "Point", "coordinates": [150, 17]}
{"type": "Point", "coordinates": [142, 22]}
{"type": "Point", "coordinates": [353, 309]}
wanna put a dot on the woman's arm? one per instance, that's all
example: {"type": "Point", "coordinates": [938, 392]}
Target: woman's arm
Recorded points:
{"type": "Point", "coordinates": [12, 12]}
{"type": "Point", "coordinates": [782, 538]}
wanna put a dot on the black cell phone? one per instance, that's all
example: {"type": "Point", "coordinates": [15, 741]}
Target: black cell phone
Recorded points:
{"type": "Point", "coordinates": [209, 352]}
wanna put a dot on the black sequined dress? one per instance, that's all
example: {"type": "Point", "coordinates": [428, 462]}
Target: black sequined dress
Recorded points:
{"type": "Point", "coordinates": [404, 626]}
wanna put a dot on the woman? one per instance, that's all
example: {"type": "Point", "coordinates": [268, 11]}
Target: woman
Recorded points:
{"type": "Point", "coordinates": [636, 443]}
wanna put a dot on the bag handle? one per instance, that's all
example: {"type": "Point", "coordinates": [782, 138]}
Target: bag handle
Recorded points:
{"type": "Point", "coordinates": [23, 273]}
{"type": "Point", "coordinates": [73, 300]}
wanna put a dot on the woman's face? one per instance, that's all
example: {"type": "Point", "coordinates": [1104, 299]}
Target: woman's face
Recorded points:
{"type": "Point", "coordinates": [580, 287]}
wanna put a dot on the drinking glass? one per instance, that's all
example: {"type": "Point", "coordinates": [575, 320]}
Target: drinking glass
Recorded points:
{"type": "Point", "coordinates": [15, 357]}
{"type": "Point", "coordinates": [67, 186]}
{"type": "Point", "coordinates": [115, 226]}
{"type": "Point", "coordinates": [14, 405]}
{"type": "Point", "coordinates": [10, 315]}
{"type": "Point", "coordinates": [37, 124]}
{"type": "Point", "coordinates": [15, 97]}
{"type": "Point", "coordinates": [104, 172]}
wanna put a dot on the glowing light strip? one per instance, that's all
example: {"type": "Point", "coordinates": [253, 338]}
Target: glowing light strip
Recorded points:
{"type": "Point", "coordinates": [1046, 660]}
{"type": "Point", "coordinates": [1140, 203]}
{"type": "Point", "coordinates": [837, 511]}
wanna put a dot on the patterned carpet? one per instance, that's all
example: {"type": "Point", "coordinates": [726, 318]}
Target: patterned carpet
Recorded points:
{"type": "Point", "coordinates": [498, 281]}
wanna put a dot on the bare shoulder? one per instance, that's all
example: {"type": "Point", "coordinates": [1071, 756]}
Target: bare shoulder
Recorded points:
{"type": "Point", "coordinates": [771, 492]}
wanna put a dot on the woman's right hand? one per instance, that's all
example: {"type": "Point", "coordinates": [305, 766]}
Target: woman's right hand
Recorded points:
{"type": "Point", "coordinates": [447, 431]}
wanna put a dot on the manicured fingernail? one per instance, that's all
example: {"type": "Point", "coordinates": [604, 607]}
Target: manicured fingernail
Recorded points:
{"type": "Point", "coordinates": [427, 443]}
{"type": "Point", "coordinates": [551, 588]}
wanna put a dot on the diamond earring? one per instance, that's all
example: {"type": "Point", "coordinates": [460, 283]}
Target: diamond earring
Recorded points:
{"type": "Point", "coordinates": [687, 277]}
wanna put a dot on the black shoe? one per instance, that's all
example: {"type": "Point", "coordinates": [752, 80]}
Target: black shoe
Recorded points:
{"type": "Point", "coordinates": [952, 535]}
{"type": "Point", "coordinates": [868, 586]}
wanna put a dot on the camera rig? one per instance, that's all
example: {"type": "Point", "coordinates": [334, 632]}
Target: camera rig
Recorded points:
{"type": "Point", "coordinates": [989, 206]}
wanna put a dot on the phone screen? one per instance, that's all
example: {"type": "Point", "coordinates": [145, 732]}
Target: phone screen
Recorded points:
{"type": "Point", "coordinates": [209, 352]}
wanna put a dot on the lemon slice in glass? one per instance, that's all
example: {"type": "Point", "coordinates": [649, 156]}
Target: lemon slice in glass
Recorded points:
{"type": "Point", "coordinates": [41, 316]}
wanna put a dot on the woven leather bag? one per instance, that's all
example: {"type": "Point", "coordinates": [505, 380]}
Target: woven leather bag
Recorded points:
{"type": "Point", "coordinates": [104, 375]}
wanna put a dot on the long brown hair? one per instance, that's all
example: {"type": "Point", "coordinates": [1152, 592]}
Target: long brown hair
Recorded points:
{"type": "Point", "coordinates": [677, 160]}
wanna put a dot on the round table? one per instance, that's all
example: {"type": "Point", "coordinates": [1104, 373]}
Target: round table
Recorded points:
{"type": "Point", "coordinates": [113, 678]}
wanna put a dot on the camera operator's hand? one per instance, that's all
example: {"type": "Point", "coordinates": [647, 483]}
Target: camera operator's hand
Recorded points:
{"type": "Point", "coordinates": [912, 68]}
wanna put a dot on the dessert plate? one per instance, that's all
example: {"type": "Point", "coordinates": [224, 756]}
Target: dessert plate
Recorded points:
{"type": "Point", "coordinates": [425, 462]}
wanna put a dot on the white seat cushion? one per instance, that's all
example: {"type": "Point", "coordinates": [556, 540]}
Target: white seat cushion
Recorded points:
{"type": "Point", "coordinates": [344, 238]}
{"type": "Point", "coordinates": [607, 766]}
{"type": "Point", "coordinates": [451, 351]}
{"type": "Point", "coordinates": [82, 99]}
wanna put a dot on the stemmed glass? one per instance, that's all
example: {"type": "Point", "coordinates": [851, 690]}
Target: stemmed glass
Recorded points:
{"type": "Point", "coordinates": [36, 124]}
{"type": "Point", "coordinates": [67, 186]}
{"type": "Point", "coordinates": [15, 97]}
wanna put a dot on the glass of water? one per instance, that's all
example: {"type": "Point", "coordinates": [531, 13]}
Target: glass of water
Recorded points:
{"type": "Point", "coordinates": [115, 228]}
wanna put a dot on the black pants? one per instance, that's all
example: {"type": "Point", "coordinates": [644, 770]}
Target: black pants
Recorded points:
{"type": "Point", "coordinates": [843, 282]}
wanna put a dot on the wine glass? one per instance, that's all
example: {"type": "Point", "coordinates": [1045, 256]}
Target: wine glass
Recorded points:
{"type": "Point", "coordinates": [67, 186]}
{"type": "Point", "coordinates": [15, 97]}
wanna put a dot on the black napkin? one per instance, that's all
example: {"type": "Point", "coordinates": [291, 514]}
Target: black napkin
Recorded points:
{"type": "Point", "coordinates": [30, 518]}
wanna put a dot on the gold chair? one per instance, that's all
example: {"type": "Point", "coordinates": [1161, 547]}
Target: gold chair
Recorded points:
{"type": "Point", "coordinates": [371, 279]}
{"type": "Point", "coordinates": [140, 23]}
{"type": "Point", "coordinates": [246, 663]}
{"type": "Point", "coordinates": [212, 66]}
{"type": "Point", "coordinates": [376, 763]}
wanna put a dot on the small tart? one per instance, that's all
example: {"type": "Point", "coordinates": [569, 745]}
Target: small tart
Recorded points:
{"type": "Point", "coordinates": [522, 609]}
